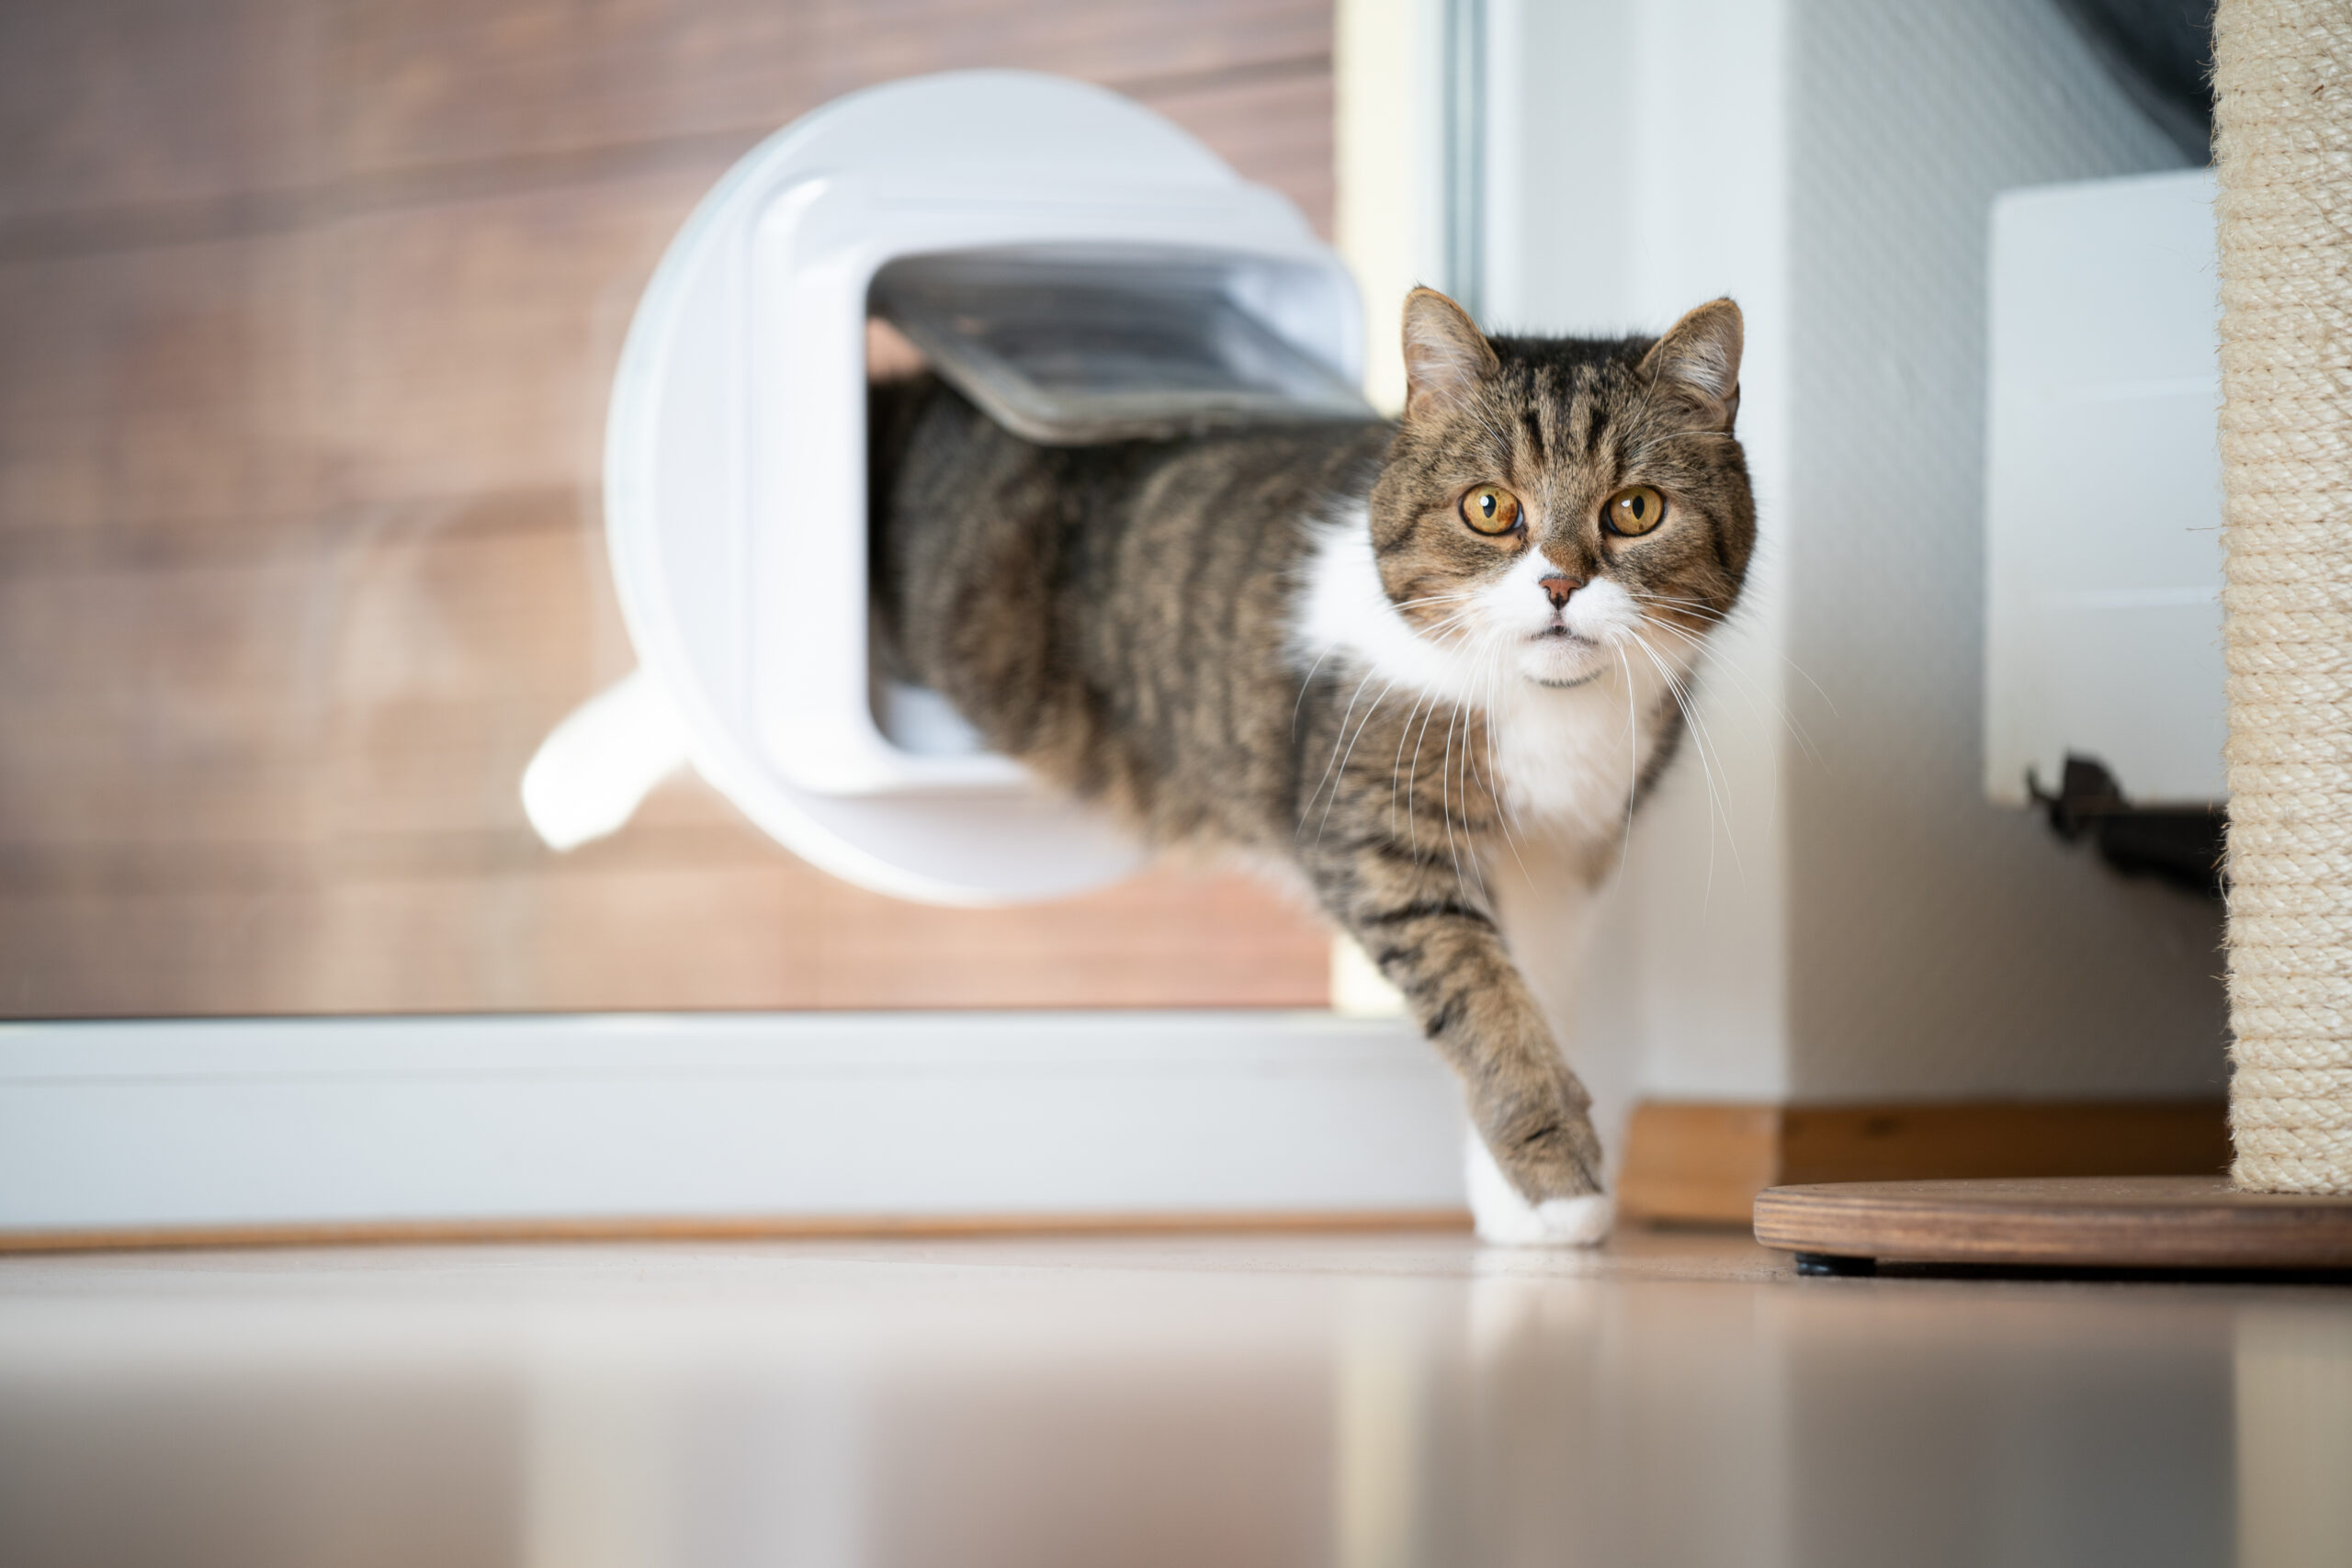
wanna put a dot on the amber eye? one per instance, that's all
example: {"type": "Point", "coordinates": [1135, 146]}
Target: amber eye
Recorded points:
{"type": "Point", "coordinates": [1634, 511]}
{"type": "Point", "coordinates": [1490, 508]}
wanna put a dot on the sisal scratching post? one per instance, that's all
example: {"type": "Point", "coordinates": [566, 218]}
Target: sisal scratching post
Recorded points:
{"type": "Point", "coordinates": [2283, 79]}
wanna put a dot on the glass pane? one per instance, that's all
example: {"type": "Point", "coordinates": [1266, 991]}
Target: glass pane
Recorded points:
{"type": "Point", "coordinates": [308, 318]}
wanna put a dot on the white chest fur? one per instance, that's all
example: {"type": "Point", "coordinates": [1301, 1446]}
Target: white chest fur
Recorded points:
{"type": "Point", "coordinates": [1565, 759]}
{"type": "Point", "coordinates": [1569, 759]}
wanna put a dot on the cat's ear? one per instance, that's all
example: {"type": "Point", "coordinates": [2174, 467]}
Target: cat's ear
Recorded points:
{"type": "Point", "coordinates": [1446, 355]}
{"type": "Point", "coordinates": [1698, 362]}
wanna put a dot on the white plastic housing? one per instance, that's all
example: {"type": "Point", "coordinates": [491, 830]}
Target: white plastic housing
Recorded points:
{"type": "Point", "coordinates": [735, 473]}
{"type": "Point", "coordinates": [2103, 490]}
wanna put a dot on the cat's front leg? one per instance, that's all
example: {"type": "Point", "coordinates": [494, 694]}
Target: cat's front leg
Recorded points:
{"type": "Point", "coordinates": [1437, 942]}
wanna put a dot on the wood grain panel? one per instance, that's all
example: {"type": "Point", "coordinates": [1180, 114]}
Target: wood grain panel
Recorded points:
{"type": "Point", "coordinates": [171, 384]}
{"type": "Point", "coordinates": [723, 920]}
{"type": "Point", "coordinates": [2142, 1222]}
{"type": "Point", "coordinates": [1707, 1162]}
{"type": "Point", "coordinates": [1698, 1162]}
{"type": "Point", "coordinates": [1275, 130]}
{"type": "Point", "coordinates": [415, 667]}
{"type": "Point", "coordinates": [153, 705]}
{"type": "Point", "coordinates": [448, 81]}
{"type": "Point", "coordinates": [105, 104]}
{"type": "Point", "coordinates": [436, 82]}
{"type": "Point", "coordinates": [393, 678]}
{"type": "Point", "coordinates": [75, 954]}
{"type": "Point", "coordinates": [1174, 937]}
{"type": "Point", "coordinates": [1904, 1143]}
{"type": "Point", "coordinates": [1139, 46]}
{"type": "Point", "coordinates": [477, 338]}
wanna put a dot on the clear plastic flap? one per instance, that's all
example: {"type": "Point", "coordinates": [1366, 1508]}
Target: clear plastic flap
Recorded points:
{"type": "Point", "coordinates": [1072, 352]}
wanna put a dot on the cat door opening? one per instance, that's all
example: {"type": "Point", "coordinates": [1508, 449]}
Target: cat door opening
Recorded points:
{"type": "Point", "coordinates": [1084, 347]}
{"type": "Point", "coordinates": [1069, 258]}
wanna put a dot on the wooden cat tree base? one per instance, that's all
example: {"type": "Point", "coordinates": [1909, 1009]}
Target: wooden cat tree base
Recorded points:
{"type": "Point", "coordinates": [2081, 1222]}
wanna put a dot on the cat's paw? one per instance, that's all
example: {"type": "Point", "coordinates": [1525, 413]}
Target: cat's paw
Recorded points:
{"type": "Point", "coordinates": [1504, 1218]}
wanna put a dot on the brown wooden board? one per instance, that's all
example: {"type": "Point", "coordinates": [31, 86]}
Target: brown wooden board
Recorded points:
{"type": "Point", "coordinates": [1706, 1162]}
{"type": "Point", "coordinates": [2099, 1222]}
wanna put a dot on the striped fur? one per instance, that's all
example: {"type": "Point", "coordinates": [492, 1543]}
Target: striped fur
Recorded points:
{"type": "Point", "coordinates": [1289, 644]}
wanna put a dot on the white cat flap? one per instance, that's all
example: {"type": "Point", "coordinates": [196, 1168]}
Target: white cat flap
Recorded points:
{"type": "Point", "coordinates": [1080, 267]}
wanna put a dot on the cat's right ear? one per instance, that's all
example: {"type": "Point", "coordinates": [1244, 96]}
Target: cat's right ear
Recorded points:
{"type": "Point", "coordinates": [1446, 357]}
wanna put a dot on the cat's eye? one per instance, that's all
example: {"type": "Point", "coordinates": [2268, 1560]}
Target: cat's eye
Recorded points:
{"type": "Point", "coordinates": [1490, 508]}
{"type": "Point", "coordinates": [1634, 511]}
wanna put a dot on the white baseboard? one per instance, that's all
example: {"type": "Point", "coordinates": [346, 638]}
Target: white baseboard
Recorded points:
{"type": "Point", "coordinates": [222, 1124]}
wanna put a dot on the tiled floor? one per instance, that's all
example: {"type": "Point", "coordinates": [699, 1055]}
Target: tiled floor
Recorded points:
{"type": "Point", "coordinates": [1370, 1400]}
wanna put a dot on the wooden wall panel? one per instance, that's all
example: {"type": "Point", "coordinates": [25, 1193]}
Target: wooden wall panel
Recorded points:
{"type": "Point", "coordinates": [476, 339]}
{"type": "Point", "coordinates": [1138, 46]}
{"type": "Point", "coordinates": [654, 921]}
{"type": "Point", "coordinates": [308, 315]}
{"type": "Point", "coordinates": [1274, 129]}
{"type": "Point", "coordinates": [449, 81]}
{"type": "Point", "coordinates": [111, 104]}
{"type": "Point", "coordinates": [394, 679]}
{"type": "Point", "coordinates": [149, 386]}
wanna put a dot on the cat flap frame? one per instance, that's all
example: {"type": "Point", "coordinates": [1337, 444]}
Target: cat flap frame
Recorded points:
{"type": "Point", "coordinates": [735, 460]}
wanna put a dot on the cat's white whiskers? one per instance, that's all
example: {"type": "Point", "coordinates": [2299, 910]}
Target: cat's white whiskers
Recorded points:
{"type": "Point", "coordinates": [1506, 810]}
{"type": "Point", "coordinates": [1364, 723]}
{"type": "Point", "coordinates": [1397, 764]}
{"type": "Point", "coordinates": [1717, 801]}
{"type": "Point", "coordinates": [1718, 618]}
{"type": "Point", "coordinates": [1446, 626]}
{"type": "Point", "coordinates": [1445, 797]}
{"type": "Point", "coordinates": [1698, 607]}
{"type": "Point", "coordinates": [1370, 675]}
{"type": "Point", "coordinates": [1632, 753]}
{"type": "Point", "coordinates": [1462, 714]}
{"type": "Point", "coordinates": [1305, 681]}
{"type": "Point", "coordinates": [1715, 806]}
{"type": "Point", "coordinates": [1413, 777]}
{"type": "Point", "coordinates": [1758, 701]}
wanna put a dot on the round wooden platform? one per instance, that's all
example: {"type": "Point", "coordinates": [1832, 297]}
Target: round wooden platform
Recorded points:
{"type": "Point", "coordinates": [2089, 1221]}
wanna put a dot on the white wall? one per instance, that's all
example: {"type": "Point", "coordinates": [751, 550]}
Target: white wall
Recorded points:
{"type": "Point", "coordinates": [1941, 945]}
{"type": "Point", "coordinates": [1820, 905]}
{"type": "Point", "coordinates": [1389, 140]}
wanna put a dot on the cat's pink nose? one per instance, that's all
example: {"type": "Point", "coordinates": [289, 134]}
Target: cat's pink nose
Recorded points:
{"type": "Point", "coordinates": [1557, 588]}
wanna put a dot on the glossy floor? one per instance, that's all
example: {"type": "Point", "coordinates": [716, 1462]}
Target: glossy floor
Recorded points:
{"type": "Point", "coordinates": [1277, 1399]}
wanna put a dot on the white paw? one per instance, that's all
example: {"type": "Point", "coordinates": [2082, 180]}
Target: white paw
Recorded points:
{"type": "Point", "coordinates": [1505, 1219]}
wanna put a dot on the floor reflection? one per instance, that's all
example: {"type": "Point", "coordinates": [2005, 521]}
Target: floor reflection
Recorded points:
{"type": "Point", "coordinates": [1370, 1402]}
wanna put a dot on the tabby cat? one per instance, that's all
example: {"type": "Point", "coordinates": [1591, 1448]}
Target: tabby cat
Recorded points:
{"type": "Point", "coordinates": [1390, 656]}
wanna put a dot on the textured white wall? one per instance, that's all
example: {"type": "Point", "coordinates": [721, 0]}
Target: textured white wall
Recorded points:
{"type": "Point", "coordinates": [1939, 945]}
{"type": "Point", "coordinates": [1820, 905]}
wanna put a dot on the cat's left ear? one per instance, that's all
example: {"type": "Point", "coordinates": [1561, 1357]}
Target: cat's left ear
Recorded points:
{"type": "Point", "coordinates": [1446, 355]}
{"type": "Point", "coordinates": [1698, 362]}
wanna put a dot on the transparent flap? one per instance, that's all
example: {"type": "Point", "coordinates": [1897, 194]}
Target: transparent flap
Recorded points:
{"type": "Point", "coordinates": [1075, 352]}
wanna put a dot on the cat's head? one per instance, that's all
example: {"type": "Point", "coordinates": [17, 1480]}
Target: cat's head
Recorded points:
{"type": "Point", "coordinates": [1549, 503]}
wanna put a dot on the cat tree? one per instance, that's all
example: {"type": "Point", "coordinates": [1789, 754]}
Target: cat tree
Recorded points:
{"type": "Point", "coordinates": [2283, 142]}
